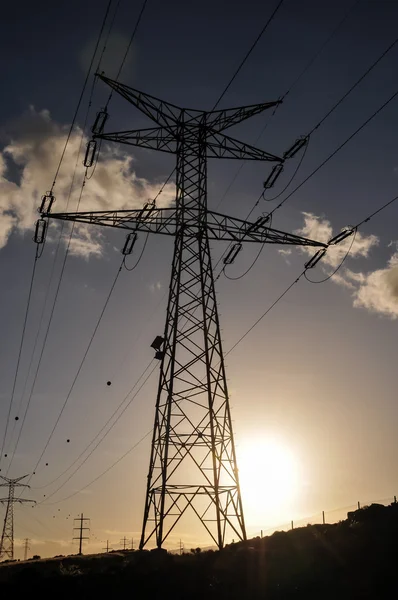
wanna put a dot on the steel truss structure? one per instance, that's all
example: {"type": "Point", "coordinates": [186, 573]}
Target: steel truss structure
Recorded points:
{"type": "Point", "coordinates": [193, 464]}
{"type": "Point", "coordinates": [7, 536]}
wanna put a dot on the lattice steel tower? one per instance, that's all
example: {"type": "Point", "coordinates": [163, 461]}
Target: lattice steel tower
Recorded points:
{"type": "Point", "coordinates": [193, 461]}
{"type": "Point", "coordinates": [7, 537]}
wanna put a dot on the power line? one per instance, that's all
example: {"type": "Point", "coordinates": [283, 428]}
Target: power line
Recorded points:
{"type": "Point", "coordinates": [265, 27]}
{"type": "Point", "coordinates": [103, 472]}
{"type": "Point", "coordinates": [247, 270]}
{"type": "Point", "coordinates": [323, 46]}
{"type": "Point", "coordinates": [80, 365]}
{"type": "Point", "coordinates": [376, 212]}
{"type": "Point", "coordinates": [81, 94]}
{"type": "Point", "coordinates": [137, 262]}
{"type": "Point", "coordinates": [303, 273]}
{"type": "Point", "coordinates": [20, 351]}
{"type": "Point", "coordinates": [295, 82]}
{"type": "Point", "coordinates": [84, 180]}
{"type": "Point", "coordinates": [46, 299]}
{"type": "Point", "coordinates": [352, 88]}
{"type": "Point", "coordinates": [316, 127]}
{"type": "Point", "coordinates": [128, 46]}
{"type": "Point", "coordinates": [340, 147]}
{"type": "Point", "coordinates": [339, 266]}
{"type": "Point", "coordinates": [150, 432]}
{"type": "Point", "coordinates": [103, 427]}
{"type": "Point", "coordinates": [103, 437]}
{"type": "Point", "coordinates": [265, 313]}
{"type": "Point", "coordinates": [62, 227]}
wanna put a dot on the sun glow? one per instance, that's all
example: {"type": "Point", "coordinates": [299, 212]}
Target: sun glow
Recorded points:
{"type": "Point", "coordinates": [269, 480]}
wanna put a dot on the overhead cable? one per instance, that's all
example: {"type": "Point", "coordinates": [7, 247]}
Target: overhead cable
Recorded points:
{"type": "Point", "coordinates": [340, 147]}
{"type": "Point", "coordinates": [81, 94]}
{"type": "Point", "coordinates": [21, 344]}
{"type": "Point", "coordinates": [39, 487]}
{"type": "Point", "coordinates": [80, 366]}
{"type": "Point", "coordinates": [265, 27]}
{"type": "Point", "coordinates": [102, 437]}
{"type": "Point", "coordinates": [143, 6]}
{"type": "Point", "coordinates": [103, 472]}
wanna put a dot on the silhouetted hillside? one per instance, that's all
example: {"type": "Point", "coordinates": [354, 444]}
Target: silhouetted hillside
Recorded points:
{"type": "Point", "coordinates": [353, 559]}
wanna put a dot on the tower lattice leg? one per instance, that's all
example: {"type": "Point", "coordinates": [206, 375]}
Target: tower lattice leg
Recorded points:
{"type": "Point", "coordinates": [7, 536]}
{"type": "Point", "coordinates": [193, 462]}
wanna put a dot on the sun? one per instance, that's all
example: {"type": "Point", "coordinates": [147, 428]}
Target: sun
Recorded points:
{"type": "Point", "coordinates": [269, 480]}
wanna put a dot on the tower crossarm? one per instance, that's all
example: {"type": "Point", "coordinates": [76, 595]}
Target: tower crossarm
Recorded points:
{"type": "Point", "coordinates": [163, 113]}
{"type": "Point", "coordinates": [223, 227]}
{"type": "Point", "coordinates": [156, 138]}
{"type": "Point", "coordinates": [222, 146]}
{"type": "Point", "coordinates": [164, 221]}
{"type": "Point", "coordinates": [222, 119]}
{"type": "Point", "coordinates": [15, 482]}
{"type": "Point", "coordinates": [156, 220]}
{"type": "Point", "coordinates": [19, 500]}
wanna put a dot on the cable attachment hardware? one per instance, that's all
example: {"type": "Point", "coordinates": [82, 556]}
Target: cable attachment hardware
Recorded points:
{"type": "Point", "coordinates": [131, 239]}
{"type": "Point", "coordinates": [273, 176]}
{"type": "Point", "coordinates": [46, 203]}
{"type": "Point", "coordinates": [315, 259]}
{"type": "Point", "coordinates": [40, 231]}
{"type": "Point", "coordinates": [99, 123]}
{"type": "Point", "coordinates": [147, 210]}
{"type": "Point", "coordinates": [298, 144]}
{"type": "Point", "coordinates": [232, 254]}
{"type": "Point", "coordinates": [90, 153]}
{"type": "Point", "coordinates": [341, 236]}
{"type": "Point", "coordinates": [260, 222]}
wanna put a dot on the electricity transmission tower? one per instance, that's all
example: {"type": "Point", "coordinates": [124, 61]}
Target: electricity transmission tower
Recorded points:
{"type": "Point", "coordinates": [26, 547]}
{"type": "Point", "coordinates": [7, 536]}
{"type": "Point", "coordinates": [193, 465]}
{"type": "Point", "coordinates": [81, 529]}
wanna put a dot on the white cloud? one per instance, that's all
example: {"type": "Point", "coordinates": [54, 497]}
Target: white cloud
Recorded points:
{"type": "Point", "coordinates": [320, 229]}
{"type": "Point", "coordinates": [27, 166]}
{"type": "Point", "coordinates": [377, 291]}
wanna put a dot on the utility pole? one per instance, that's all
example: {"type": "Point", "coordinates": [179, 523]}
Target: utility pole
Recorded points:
{"type": "Point", "coordinates": [181, 547]}
{"type": "Point", "coordinates": [124, 542]}
{"type": "Point", "coordinates": [26, 548]}
{"type": "Point", "coordinates": [80, 529]}
{"type": "Point", "coordinates": [107, 546]}
{"type": "Point", "coordinates": [7, 536]}
{"type": "Point", "coordinates": [192, 427]}
{"type": "Point", "coordinates": [132, 543]}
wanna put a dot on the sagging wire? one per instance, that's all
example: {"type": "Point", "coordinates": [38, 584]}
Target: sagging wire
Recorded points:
{"type": "Point", "coordinates": [352, 231]}
{"type": "Point", "coordinates": [143, 6]}
{"type": "Point", "coordinates": [80, 365]}
{"type": "Point", "coordinates": [37, 256]}
{"type": "Point", "coordinates": [229, 258]}
{"type": "Point", "coordinates": [139, 258]}
{"type": "Point", "coordinates": [106, 432]}
{"type": "Point", "coordinates": [81, 94]}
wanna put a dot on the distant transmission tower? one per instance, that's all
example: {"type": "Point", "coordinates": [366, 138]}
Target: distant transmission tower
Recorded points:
{"type": "Point", "coordinates": [7, 537]}
{"type": "Point", "coordinates": [81, 529]}
{"type": "Point", "coordinates": [193, 462]}
{"type": "Point", "coordinates": [26, 547]}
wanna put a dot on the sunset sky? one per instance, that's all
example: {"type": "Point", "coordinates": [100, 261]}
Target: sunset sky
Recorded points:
{"type": "Point", "coordinates": [313, 385]}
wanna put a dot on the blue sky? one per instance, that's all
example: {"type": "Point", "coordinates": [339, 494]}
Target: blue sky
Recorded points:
{"type": "Point", "coordinates": [317, 376]}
